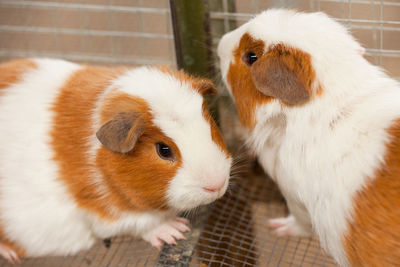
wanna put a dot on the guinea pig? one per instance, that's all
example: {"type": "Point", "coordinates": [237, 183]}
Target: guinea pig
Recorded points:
{"type": "Point", "coordinates": [90, 152]}
{"type": "Point", "coordinates": [325, 125]}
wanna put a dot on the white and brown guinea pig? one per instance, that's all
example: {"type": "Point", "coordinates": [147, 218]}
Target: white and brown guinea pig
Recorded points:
{"type": "Point", "coordinates": [325, 124]}
{"type": "Point", "coordinates": [92, 152]}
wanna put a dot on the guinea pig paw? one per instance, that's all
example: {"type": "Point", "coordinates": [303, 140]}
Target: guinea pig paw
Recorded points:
{"type": "Point", "coordinates": [9, 254]}
{"type": "Point", "coordinates": [167, 232]}
{"type": "Point", "coordinates": [287, 226]}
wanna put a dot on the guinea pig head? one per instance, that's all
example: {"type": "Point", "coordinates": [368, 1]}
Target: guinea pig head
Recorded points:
{"type": "Point", "coordinates": [160, 147]}
{"type": "Point", "coordinates": [258, 75]}
{"type": "Point", "coordinates": [276, 57]}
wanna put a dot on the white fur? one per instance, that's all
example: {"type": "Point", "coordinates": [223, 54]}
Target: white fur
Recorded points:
{"type": "Point", "coordinates": [29, 189]}
{"type": "Point", "coordinates": [321, 153]}
{"type": "Point", "coordinates": [36, 211]}
{"type": "Point", "coordinates": [128, 223]}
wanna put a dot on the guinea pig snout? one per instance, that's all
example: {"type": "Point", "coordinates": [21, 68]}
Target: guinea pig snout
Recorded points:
{"type": "Point", "coordinates": [214, 185]}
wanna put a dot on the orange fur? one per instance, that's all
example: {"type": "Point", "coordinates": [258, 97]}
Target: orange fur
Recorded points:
{"type": "Point", "coordinates": [71, 131]}
{"type": "Point", "coordinates": [247, 97]}
{"type": "Point", "coordinates": [373, 237]}
{"type": "Point", "coordinates": [285, 73]}
{"type": "Point", "coordinates": [141, 177]}
{"type": "Point", "coordinates": [251, 84]}
{"type": "Point", "coordinates": [11, 72]}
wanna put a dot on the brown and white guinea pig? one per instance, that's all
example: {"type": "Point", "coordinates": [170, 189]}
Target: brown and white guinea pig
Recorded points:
{"type": "Point", "coordinates": [92, 152]}
{"type": "Point", "coordinates": [325, 124]}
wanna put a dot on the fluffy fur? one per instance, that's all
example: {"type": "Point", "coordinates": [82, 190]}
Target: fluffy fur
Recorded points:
{"type": "Point", "coordinates": [62, 189]}
{"type": "Point", "coordinates": [325, 151]}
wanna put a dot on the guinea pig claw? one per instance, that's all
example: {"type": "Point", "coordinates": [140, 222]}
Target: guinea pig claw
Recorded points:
{"type": "Point", "coordinates": [156, 243]}
{"type": "Point", "coordinates": [15, 258]}
{"type": "Point", "coordinates": [168, 232]}
{"type": "Point", "coordinates": [282, 231]}
{"type": "Point", "coordinates": [9, 254]}
{"type": "Point", "coordinates": [182, 220]}
{"type": "Point", "coordinates": [288, 227]}
{"type": "Point", "coordinates": [182, 227]}
{"type": "Point", "coordinates": [277, 223]}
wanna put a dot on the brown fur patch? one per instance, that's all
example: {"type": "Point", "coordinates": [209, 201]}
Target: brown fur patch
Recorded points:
{"type": "Point", "coordinates": [72, 130]}
{"type": "Point", "coordinates": [281, 72]}
{"type": "Point", "coordinates": [247, 97]}
{"type": "Point", "coordinates": [373, 238]}
{"type": "Point", "coordinates": [12, 71]}
{"type": "Point", "coordinates": [285, 73]}
{"type": "Point", "coordinates": [140, 177]}
{"type": "Point", "coordinates": [121, 133]}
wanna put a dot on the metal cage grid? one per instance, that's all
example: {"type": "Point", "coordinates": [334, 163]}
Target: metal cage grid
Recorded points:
{"type": "Point", "coordinates": [232, 231]}
{"type": "Point", "coordinates": [235, 233]}
{"type": "Point", "coordinates": [92, 31]}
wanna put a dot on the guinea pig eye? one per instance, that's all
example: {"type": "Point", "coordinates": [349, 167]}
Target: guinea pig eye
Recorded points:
{"type": "Point", "coordinates": [249, 58]}
{"type": "Point", "coordinates": [164, 151]}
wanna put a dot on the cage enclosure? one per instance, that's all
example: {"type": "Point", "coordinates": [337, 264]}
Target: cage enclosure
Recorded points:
{"type": "Point", "coordinates": [233, 230]}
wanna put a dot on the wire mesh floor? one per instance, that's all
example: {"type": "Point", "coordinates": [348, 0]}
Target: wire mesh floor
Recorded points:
{"type": "Point", "coordinates": [236, 232]}
{"type": "Point", "coordinates": [231, 232]}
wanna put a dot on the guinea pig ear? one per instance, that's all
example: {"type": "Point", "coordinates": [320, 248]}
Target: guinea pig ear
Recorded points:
{"type": "Point", "coordinates": [284, 73]}
{"type": "Point", "coordinates": [122, 132]}
{"type": "Point", "coordinates": [205, 86]}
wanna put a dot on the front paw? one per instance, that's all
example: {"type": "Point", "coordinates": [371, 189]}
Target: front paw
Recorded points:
{"type": "Point", "coordinates": [9, 254]}
{"type": "Point", "coordinates": [168, 232]}
{"type": "Point", "coordinates": [288, 227]}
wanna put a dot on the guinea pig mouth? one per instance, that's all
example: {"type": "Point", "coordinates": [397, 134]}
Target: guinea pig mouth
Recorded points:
{"type": "Point", "coordinates": [213, 195]}
{"type": "Point", "coordinates": [215, 188]}
{"type": "Point", "coordinates": [186, 194]}
{"type": "Point", "coordinates": [192, 201]}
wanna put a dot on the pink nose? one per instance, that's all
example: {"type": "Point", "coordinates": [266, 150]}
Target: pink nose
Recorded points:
{"type": "Point", "coordinates": [211, 188]}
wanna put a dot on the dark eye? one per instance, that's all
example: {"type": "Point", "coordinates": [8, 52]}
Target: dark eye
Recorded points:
{"type": "Point", "coordinates": [249, 58]}
{"type": "Point", "coordinates": [164, 151]}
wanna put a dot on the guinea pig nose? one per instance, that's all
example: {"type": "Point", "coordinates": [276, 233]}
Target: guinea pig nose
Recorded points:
{"type": "Point", "coordinates": [215, 187]}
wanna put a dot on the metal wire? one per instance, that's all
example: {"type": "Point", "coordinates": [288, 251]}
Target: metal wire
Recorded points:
{"type": "Point", "coordinates": [235, 233]}
{"type": "Point", "coordinates": [124, 251]}
{"type": "Point", "coordinates": [105, 33]}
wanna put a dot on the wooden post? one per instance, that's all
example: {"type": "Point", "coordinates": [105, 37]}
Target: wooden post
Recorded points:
{"type": "Point", "coordinates": [191, 27]}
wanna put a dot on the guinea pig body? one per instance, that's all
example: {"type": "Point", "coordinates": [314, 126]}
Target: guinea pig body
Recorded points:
{"type": "Point", "coordinates": [93, 152]}
{"type": "Point", "coordinates": [325, 125]}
